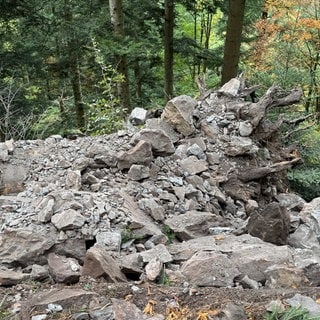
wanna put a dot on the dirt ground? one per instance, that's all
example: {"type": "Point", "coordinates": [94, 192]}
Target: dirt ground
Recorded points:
{"type": "Point", "coordinates": [172, 302]}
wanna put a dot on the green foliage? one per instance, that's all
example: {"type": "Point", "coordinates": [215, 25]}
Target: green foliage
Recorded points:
{"type": "Point", "coordinates": [305, 181]}
{"type": "Point", "coordinates": [292, 313]}
{"type": "Point", "coordinates": [53, 121]}
{"type": "Point", "coordinates": [164, 279]}
{"type": "Point", "coordinates": [166, 230]}
{"type": "Point", "coordinates": [305, 178]}
{"type": "Point", "coordinates": [4, 312]}
{"type": "Point", "coordinates": [105, 114]}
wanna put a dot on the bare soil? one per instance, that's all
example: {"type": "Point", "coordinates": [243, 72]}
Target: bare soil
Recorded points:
{"type": "Point", "coordinates": [172, 302]}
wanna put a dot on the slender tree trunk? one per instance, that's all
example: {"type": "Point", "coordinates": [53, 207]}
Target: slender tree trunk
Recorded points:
{"type": "Point", "coordinates": [168, 48]}
{"type": "Point", "coordinates": [73, 51]}
{"type": "Point", "coordinates": [138, 82]}
{"type": "Point", "coordinates": [116, 14]}
{"type": "Point", "coordinates": [76, 85]}
{"type": "Point", "coordinates": [233, 40]}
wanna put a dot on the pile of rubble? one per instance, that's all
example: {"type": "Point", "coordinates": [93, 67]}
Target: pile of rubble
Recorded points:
{"type": "Point", "coordinates": [198, 197]}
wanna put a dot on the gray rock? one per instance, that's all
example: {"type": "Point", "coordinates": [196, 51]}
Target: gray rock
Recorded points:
{"type": "Point", "coordinates": [245, 129]}
{"type": "Point", "coordinates": [126, 310]}
{"type": "Point", "coordinates": [141, 153]}
{"type": "Point", "coordinates": [178, 112]}
{"type": "Point", "coordinates": [39, 273]}
{"type": "Point", "coordinates": [233, 312]}
{"type": "Point", "coordinates": [192, 165]}
{"type": "Point", "coordinates": [68, 220]}
{"type": "Point", "coordinates": [285, 276]}
{"type": "Point", "coordinates": [159, 252]}
{"type": "Point", "coordinates": [73, 180]}
{"type": "Point", "coordinates": [240, 146]}
{"type": "Point", "coordinates": [153, 269]}
{"type": "Point", "coordinates": [152, 208]}
{"type": "Point", "coordinates": [25, 247]}
{"type": "Point", "coordinates": [110, 239]}
{"type": "Point", "coordinates": [66, 297]}
{"type": "Point", "coordinates": [10, 277]}
{"type": "Point", "coordinates": [99, 263]}
{"type": "Point", "coordinates": [305, 302]}
{"type": "Point", "coordinates": [304, 238]}
{"type": "Point", "coordinates": [160, 142]}
{"type": "Point", "coordinates": [192, 224]}
{"type": "Point", "coordinates": [210, 269]}
{"type": "Point", "coordinates": [272, 224]}
{"type": "Point", "coordinates": [138, 172]}
{"type": "Point", "coordinates": [64, 270]}
{"type": "Point", "coordinates": [138, 116]}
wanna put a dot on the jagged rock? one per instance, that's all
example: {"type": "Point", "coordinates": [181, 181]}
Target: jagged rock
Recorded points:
{"type": "Point", "coordinates": [160, 142]}
{"type": "Point", "coordinates": [138, 172]}
{"type": "Point", "coordinates": [272, 224]}
{"type": "Point", "coordinates": [141, 153]}
{"type": "Point", "coordinates": [192, 224]}
{"type": "Point", "coordinates": [230, 88]}
{"type": "Point", "coordinates": [39, 273]}
{"type": "Point", "coordinates": [291, 201]}
{"type": "Point", "coordinates": [153, 269]}
{"type": "Point", "coordinates": [312, 272]}
{"type": "Point", "coordinates": [239, 146]}
{"type": "Point", "coordinates": [99, 263]}
{"type": "Point", "coordinates": [4, 153]}
{"type": "Point", "coordinates": [186, 249]}
{"type": "Point", "coordinates": [178, 112]}
{"type": "Point", "coordinates": [192, 165]}
{"type": "Point", "coordinates": [210, 269]}
{"type": "Point", "coordinates": [68, 220]}
{"type": "Point", "coordinates": [127, 310]}
{"type": "Point", "coordinates": [152, 208]}
{"type": "Point", "coordinates": [111, 240]}
{"type": "Point", "coordinates": [67, 298]}
{"type": "Point", "coordinates": [14, 243]}
{"type": "Point", "coordinates": [73, 180]}
{"type": "Point", "coordinates": [304, 238]}
{"type": "Point", "coordinates": [285, 276]}
{"type": "Point", "coordinates": [46, 209]}
{"type": "Point", "coordinates": [159, 124]}
{"type": "Point", "coordinates": [64, 270]}
{"type": "Point", "coordinates": [138, 116]}
{"type": "Point", "coordinates": [159, 252]}
{"type": "Point", "coordinates": [10, 277]}
{"type": "Point", "coordinates": [245, 129]}
{"type": "Point", "coordinates": [141, 224]}
{"type": "Point", "coordinates": [240, 248]}
{"type": "Point", "coordinates": [305, 302]}
{"type": "Point", "coordinates": [231, 312]}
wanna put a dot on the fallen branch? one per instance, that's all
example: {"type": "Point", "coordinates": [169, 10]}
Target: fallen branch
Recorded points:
{"type": "Point", "coordinates": [255, 112]}
{"type": "Point", "coordinates": [257, 173]}
{"type": "Point", "coordinates": [290, 133]}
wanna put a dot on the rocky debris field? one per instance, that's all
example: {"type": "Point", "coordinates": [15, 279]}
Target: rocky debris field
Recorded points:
{"type": "Point", "coordinates": [185, 216]}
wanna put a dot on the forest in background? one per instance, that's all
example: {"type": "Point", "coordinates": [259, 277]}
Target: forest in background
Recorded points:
{"type": "Point", "coordinates": [71, 66]}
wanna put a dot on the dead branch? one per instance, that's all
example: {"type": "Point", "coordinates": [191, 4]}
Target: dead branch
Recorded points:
{"type": "Point", "coordinates": [257, 173]}
{"type": "Point", "coordinates": [297, 121]}
{"type": "Point", "coordinates": [255, 112]}
{"type": "Point", "coordinates": [290, 133]}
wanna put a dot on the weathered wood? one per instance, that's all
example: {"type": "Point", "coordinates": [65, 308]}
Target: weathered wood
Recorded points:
{"type": "Point", "coordinates": [251, 174]}
{"type": "Point", "coordinates": [255, 112]}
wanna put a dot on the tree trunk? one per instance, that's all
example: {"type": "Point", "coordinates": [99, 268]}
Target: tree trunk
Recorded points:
{"type": "Point", "coordinates": [233, 40]}
{"type": "Point", "coordinates": [116, 14]}
{"type": "Point", "coordinates": [76, 85]}
{"type": "Point", "coordinates": [168, 48]}
{"type": "Point", "coordinates": [73, 50]}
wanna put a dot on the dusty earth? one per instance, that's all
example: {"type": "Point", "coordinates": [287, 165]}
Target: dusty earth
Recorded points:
{"type": "Point", "coordinates": [172, 302]}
